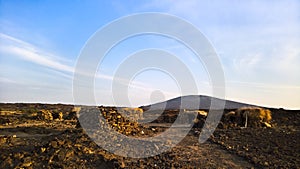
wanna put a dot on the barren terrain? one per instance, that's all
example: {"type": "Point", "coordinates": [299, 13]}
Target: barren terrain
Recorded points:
{"type": "Point", "coordinates": [49, 136]}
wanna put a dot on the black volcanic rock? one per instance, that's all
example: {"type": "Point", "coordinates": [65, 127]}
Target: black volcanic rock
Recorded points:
{"type": "Point", "coordinates": [189, 102]}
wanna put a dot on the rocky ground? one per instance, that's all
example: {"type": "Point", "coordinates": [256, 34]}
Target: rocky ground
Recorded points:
{"type": "Point", "coordinates": [276, 147]}
{"type": "Point", "coordinates": [49, 136]}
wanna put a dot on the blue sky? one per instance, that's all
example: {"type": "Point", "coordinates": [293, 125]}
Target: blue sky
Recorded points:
{"type": "Point", "coordinates": [257, 43]}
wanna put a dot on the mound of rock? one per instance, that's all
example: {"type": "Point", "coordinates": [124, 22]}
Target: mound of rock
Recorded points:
{"type": "Point", "coordinates": [45, 115]}
{"type": "Point", "coordinates": [249, 117]}
{"type": "Point", "coordinates": [49, 115]}
{"type": "Point", "coordinates": [94, 118]}
{"type": "Point", "coordinates": [123, 125]}
{"type": "Point", "coordinates": [120, 123]}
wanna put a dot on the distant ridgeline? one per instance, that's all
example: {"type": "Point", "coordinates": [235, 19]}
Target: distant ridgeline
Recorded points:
{"type": "Point", "coordinates": [186, 102]}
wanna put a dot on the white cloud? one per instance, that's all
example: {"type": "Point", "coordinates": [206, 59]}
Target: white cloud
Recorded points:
{"type": "Point", "coordinates": [246, 62]}
{"type": "Point", "coordinates": [31, 53]}
{"type": "Point", "coordinates": [6, 80]}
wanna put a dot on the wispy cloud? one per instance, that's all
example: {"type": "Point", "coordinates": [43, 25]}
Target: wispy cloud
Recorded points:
{"type": "Point", "coordinates": [262, 85]}
{"type": "Point", "coordinates": [31, 53]}
{"type": "Point", "coordinates": [247, 61]}
{"type": "Point", "coordinates": [16, 47]}
{"type": "Point", "coordinates": [133, 84]}
{"type": "Point", "coordinates": [6, 80]}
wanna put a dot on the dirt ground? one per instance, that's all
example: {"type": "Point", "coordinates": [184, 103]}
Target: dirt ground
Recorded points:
{"type": "Point", "coordinates": [49, 136]}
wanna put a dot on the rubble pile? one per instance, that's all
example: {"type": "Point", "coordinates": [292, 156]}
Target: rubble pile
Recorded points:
{"type": "Point", "coordinates": [254, 117]}
{"type": "Point", "coordinates": [124, 125]}
{"type": "Point", "coordinates": [45, 115]}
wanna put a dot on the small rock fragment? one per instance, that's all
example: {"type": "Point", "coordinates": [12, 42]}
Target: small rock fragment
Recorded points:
{"type": "Point", "coordinates": [43, 149]}
{"type": "Point", "coordinates": [54, 144]}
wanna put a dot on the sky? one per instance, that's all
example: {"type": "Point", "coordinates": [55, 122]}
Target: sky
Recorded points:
{"type": "Point", "coordinates": [257, 42]}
